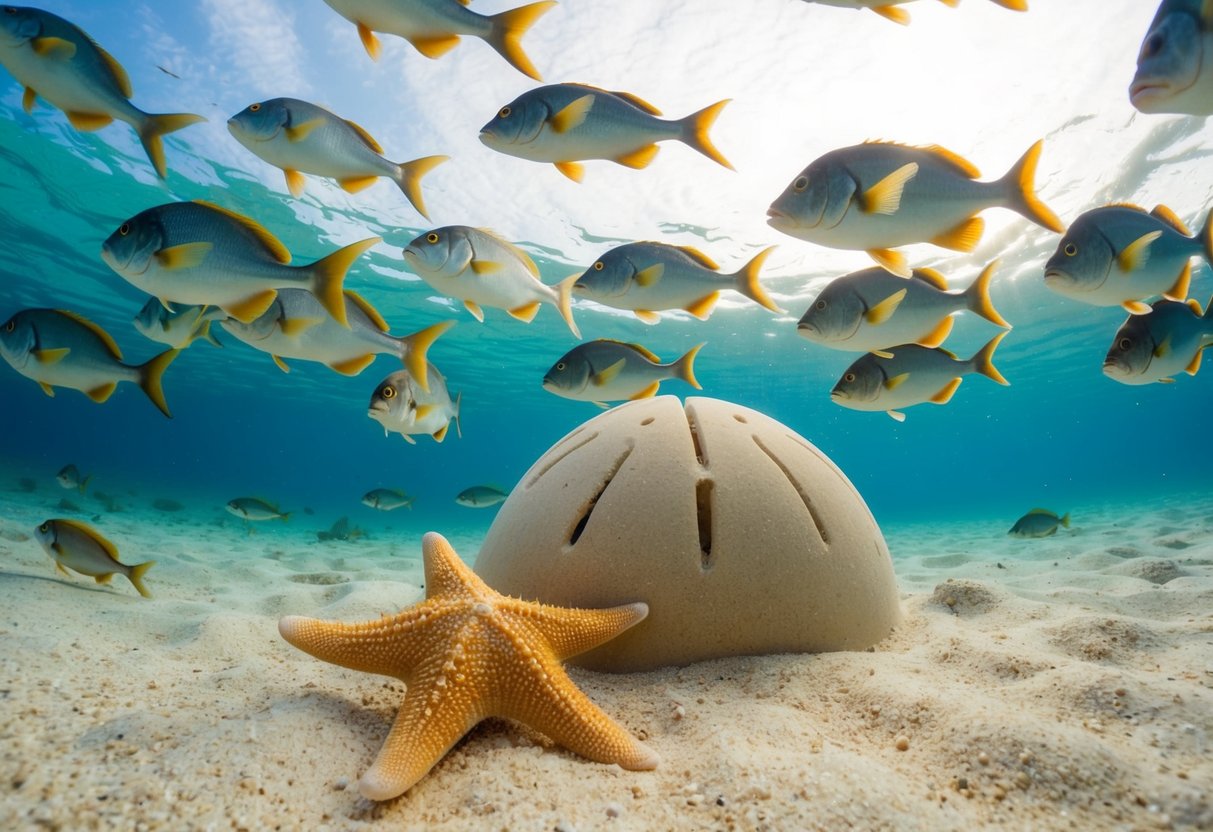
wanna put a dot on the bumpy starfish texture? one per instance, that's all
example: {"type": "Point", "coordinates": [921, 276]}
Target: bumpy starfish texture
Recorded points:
{"type": "Point", "coordinates": [467, 653]}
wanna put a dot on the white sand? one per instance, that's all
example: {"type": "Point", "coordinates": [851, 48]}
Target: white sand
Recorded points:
{"type": "Point", "coordinates": [1064, 683]}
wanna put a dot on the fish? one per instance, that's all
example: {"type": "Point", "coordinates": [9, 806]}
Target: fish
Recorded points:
{"type": "Point", "coordinates": [872, 309]}
{"type": "Point", "coordinates": [606, 370]}
{"type": "Point", "coordinates": [1175, 62]}
{"type": "Point", "coordinates": [300, 138]}
{"type": "Point", "coordinates": [566, 124]}
{"type": "Point", "coordinates": [1154, 347]}
{"type": "Point", "coordinates": [1039, 522]}
{"type": "Point", "coordinates": [1119, 254]}
{"type": "Point", "coordinates": [879, 195]}
{"type": "Point", "coordinates": [69, 477]}
{"type": "Point", "coordinates": [297, 326]}
{"type": "Point", "coordinates": [55, 60]}
{"type": "Point", "coordinates": [478, 267]}
{"type": "Point", "coordinates": [197, 252]}
{"type": "Point", "coordinates": [481, 496]}
{"type": "Point", "coordinates": [253, 508]}
{"type": "Point", "coordinates": [908, 375]}
{"type": "Point", "coordinates": [58, 348]}
{"type": "Point", "coordinates": [341, 530]}
{"type": "Point", "coordinates": [433, 27]}
{"type": "Point", "coordinates": [891, 9]}
{"type": "Point", "coordinates": [401, 406]}
{"type": "Point", "coordinates": [82, 548]}
{"type": "Point", "coordinates": [647, 277]}
{"type": "Point", "coordinates": [179, 327]}
{"type": "Point", "coordinates": [387, 499]}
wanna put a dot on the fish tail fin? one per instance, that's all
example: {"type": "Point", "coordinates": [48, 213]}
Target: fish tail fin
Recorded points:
{"type": "Point", "coordinates": [328, 277]}
{"type": "Point", "coordinates": [1013, 5]}
{"type": "Point", "coordinates": [564, 302]}
{"type": "Point", "coordinates": [413, 349]}
{"type": "Point", "coordinates": [151, 376]}
{"type": "Point", "coordinates": [136, 577]}
{"type": "Point", "coordinates": [747, 281]}
{"type": "Point", "coordinates": [983, 362]}
{"type": "Point", "coordinates": [695, 132]}
{"type": "Point", "coordinates": [409, 179]}
{"type": "Point", "coordinates": [156, 126]}
{"type": "Point", "coordinates": [1020, 188]}
{"type": "Point", "coordinates": [84, 484]}
{"type": "Point", "coordinates": [977, 297]}
{"type": "Point", "coordinates": [1065, 520]}
{"type": "Point", "coordinates": [1206, 238]}
{"type": "Point", "coordinates": [684, 368]}
{"type": "Point", "coordinates": [458, 423]}
{"type": "Point", "coordinates": [508, 29]}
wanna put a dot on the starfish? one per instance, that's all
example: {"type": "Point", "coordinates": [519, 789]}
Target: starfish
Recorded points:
{"type": "Point", "coordinates": [467, 653]}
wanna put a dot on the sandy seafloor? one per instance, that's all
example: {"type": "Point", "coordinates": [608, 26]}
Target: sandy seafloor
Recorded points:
{"type": "Point", "coordinates": [1064, 683]}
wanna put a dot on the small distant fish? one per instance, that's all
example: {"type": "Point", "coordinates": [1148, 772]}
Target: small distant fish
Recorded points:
{"type": "Point", "coordinates": [480, 496]}
{"type": "Point", "coordinates": [872, 309]}
{"type": "Point", "coordinates": [309, 511]}
{"type": "Point", "coordinates": [387, 499]}
{"type": "Point", "coordinates": [341, 530]}
{"type": "Point", "coordinates": [433, 27]}
{"type": "Point", "coordinates": [57, 348]}
{"type": "Point", "coordinates": [879, 195]}
{"type": "Point", "coordinates": [1175, 64]}
{"type": "Point", "coordinates": [251, 508]}
{"type": "Point", "coordinates": [196, 252]}
{"type": "Point", "coordinates": [14, 535]}
{"type": "Point", "coordinates": [111, 503]}
{"type": "Point", "coordinates": [891, 9]}
{"type": "Point", "coordinates": [166, 504]}
{"type": "Point", "coordinates": [56, 60]}
{"type": "Point", "coordinates": [400, 406]}
{"type": "Point", "coordinates": [1154, 347]}
{"type": "Point", "coordinates": [479, 268]}
{"type": "Point", "coordinates": [605, 370]}
{"type": "Point", "coordinates": [1039, 522]}
{"type": "Point", "coordinates": [77, 546]}
{"type": "Point", "coordinates": [300, 138]}
{"type": "Point", "coordinates": [1119, 254]}
{"type": "Point", "coordinates": [648, 277]}
{"type": "Point", "coordinates": [69, 477]}
{"type": "Point", "coordinates": [179, 327]}
{"type": "Point", "coordinates": [27, 484]}
{"type": "Point", "coordinates": [568, 123]}
{"type": "Point", "coordinates": [908, 375]}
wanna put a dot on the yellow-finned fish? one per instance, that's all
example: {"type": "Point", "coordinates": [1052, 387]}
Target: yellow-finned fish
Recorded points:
{"type": "Point", "coordinates": [891, 9]}
{"type": "Point", "coordinates": [1175, 63]}
{"type": "Point", "coordinates": [908, 375]}
{"type": "Point", "coordinates": [57, 348]}
{"type": "Point", "coordinates": [1039, 522]}
{"type": "Point", "coordinates": [649, 277]}
{"type": "Point", "coordinates": [254, 508]}
{"type": "Point", "coordinates": [605, 370]}
{"type": "Point", "coordinates": [433, 27]}
{"type": "Point", "coordinates": [401, 406]}
{"type": "Point", "coordinates": [1155, 347]}
{"type": "Point", "coordinates": [77, 546]}
{"type": "Point", "coordinates": [1119, 254]}
{"type": "Point", "coordinates": [387, 499]}
{"type": "Point", "coordinates": [568, 123]}
{"type": "Point", "coordinates": [196, 252]}
{"type": "Point", "coordinates": [69, 478]}
{"type": "Point", "coordinates": [872, 310]}
{"type": "Point", "coordinates": [481, 269]}
{"type": "Point", "coordinates": [879, 195]}
{"type": "Point", "coordinates": [54, 59]}
{"type": "Point", "coordinates": [177, 327]}
{"type": "Point", "coordinates": [296, 326]}
{"type": "Point", "coordinates": [481, 496]}
{"type": "Point", "coordinates": [303, 138]}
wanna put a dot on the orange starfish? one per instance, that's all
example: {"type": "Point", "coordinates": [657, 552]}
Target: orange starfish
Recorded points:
{"type": "Point", "coordinates": [467, 653]}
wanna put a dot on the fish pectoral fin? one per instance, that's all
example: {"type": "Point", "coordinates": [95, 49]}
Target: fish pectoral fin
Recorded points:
{"type": "Point", "coordinates": [1137, 253]}
{"type": "Point", "coordinates": [603, 405]}
{"type": "Point", "coordinates": [609, 374]}
{"type": "Point", "coordinates": [59, 570]}
{"type": "Point", "coordinates": [893, 13]}
{"type": "Point", "coordinates": [649, 276]}
{"type": "Point", "coordinates": [885, 196]}
{"type": "Point", "coordinates": [88, 121]}
{"type": "Point", "coordinates": [1179, 291]}
{"type": "Point", "coordinates": [647, 393]}
{"type": "Point", "coordinates": [945, 395]}
{"type": "Point", "coordinates": [50, 356]}
{"type": "Point", "coordinates": [352, 366]}
{"type": "Point", "coordinates": [184, 256]}
{"type": "Point", "coordinates": [369, 42]}
{"type": "Point", "coordinates": [884, 310]}
{"type": "Point", "coordinates": [56, 49]}
{"type": "Point", "coordinates": [647, 316]}
{"type": "Point", "coordinates": [1136, 307]}
{"type": "Point", "coordinates": [896, 381]}
{"type": "Point", "coordinates": [639, 159]}
{"type": "Point", "coordinates": [703, 307]}
{"type": "Point", "coordinates": [357, 183]}
{"type": "Point", "coordinates": [282, 365]}
{"type": "Point", "coordinates": [299, 132]}
{"type": "Point", "coordinates": [526, 312]}
{"type": "Point", "coordinates": [435, 47]}
{"type": "Point", "coordinates": [292, 327]}
{"type": "Point", "coordinates": [47, 389]}
{"type": "Point", "coordinates": [1194, 365]}
{"type": "Point", "coordinates": [573, 170]}
{"type": "Point", "coordinates": [295, 183]}
{"type": "Point", "coordinates": [252, 307]}
{"type": "Point", "coordinates": [486, 267]}
{"type": "Point", "coordinates": [939, 334]}
{"type": "Point", "coordinates": [104, 579]}
{"type": "Point", "coordinates": [1164, 349]}
{"type": "Point", "coordinates": [963, 237]}
{"type": "Point", "coordinates": [1167, 380]}
{"type": "Point", "coordinates": [102, 392]}
{"type": "Point", "coordinates": [28, 99]}
{"type": "Point", "coordinates": [474, 308]}
{"type": "Point", "coordinates": [408, 439]}
{"type": "Point", "coordinates": [423, 411]}
{"type": "Point", "coordinates": [891, 261]}
{"type": "Point", "coordinates": [440, 434]}
{"type": "Point", "coordinates": [896, 415]}
{"type": "Point", "coordinates": [572, 114]}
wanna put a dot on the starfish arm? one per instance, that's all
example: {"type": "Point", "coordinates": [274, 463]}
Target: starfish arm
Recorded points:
{"type": "Point", "coordinates": [574, 631]}
{"type": "Point", "coordinates": [390, 646]}
{"type": "Point", "coordinates": [446, 575]}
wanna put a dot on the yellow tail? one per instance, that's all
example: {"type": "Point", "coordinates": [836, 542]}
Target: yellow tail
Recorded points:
{"type": "Point", "coordinates": [983, 362]}
{"type": "Point", "coordinates": [328, 277]}
{"type": "Point", "coordinates": [747, 281]}
{"type": "Point", "coordinates": [409, 179]}
{"type": "Point", "coordinates": [1065, 520]}
{"type": "Point", "coordinates": [1021, 191]}
{"type": "Point", "coordinates": [507, 32]}
{"type": "Point", "coordinates": [156, 126]}
{"type": "Point", "coordinates": [684, 368]}
{"type": "Point", "coordinates": [1206, 238]}
{"type": "Point", "coordinates": [413, 349]}
{"type": "Point", "coordinates": [150, 376]}
{"type": "Point", "coordinates": [136, 577]}
{"type": "Point", "coordinates": [1013, 5]}
{"type": "Point", "coordinates": [564, 294]}
{"type": "Point", "coordinates": [695, 132]}
{"type": "Point", "coordinates": [977, 297]}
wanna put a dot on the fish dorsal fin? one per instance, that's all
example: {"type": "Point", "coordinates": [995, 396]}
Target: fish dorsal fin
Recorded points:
{"type": "Point", "coordinates": [96, 330]}
{"type": "Point", "coordinates": [370, 311]}
{"type": "Point", "coordinates": [519, 253]}
{"type": "Point", "coordinates": [637, 101]}
{"type": "Point", "coordinates": [957, 161]}
{"type": "Point", "coordinates": [699, 257]}
{"type": "Point", "coordinates": [1132, 206]}
{"type": "Point", "coordinates": [272, 244]}
{"type": "Point", "coordinates": [120, 77]}
{"type": "Point", "coordinates": [1044, 511]}
{"type": "Point", "coordinates": [108, 547]}
{"type": "Point", "coordinates": [365, 136]}
{"type": "Point", "coordinates": [644, 351]}
{"type": "Point", "coordinates": [1162, 212]}
{"type": "Point", "coordinates": [932, 277]}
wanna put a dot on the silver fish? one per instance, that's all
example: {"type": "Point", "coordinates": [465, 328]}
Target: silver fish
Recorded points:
{"type": "Point", "coordinates": [69, 477]}
{"type": "Point", "coordinates": [387, 499]}
{"type": "Point", "coordinates": [179, 327]}
{"type": "Point", "coordinates": [77, 546]}
{"type": "Point", "coordinates": [401, 406]}
{"type": "Point", "coordinates": [57, 348]}
{"type": "Point", "coordinates": [605, 370]}
{"type": "Point", "coordinates": [891, 9]}
{"type": "Point", "coordinates": [1039, 522]}
{"type": "Point", "coordinates": [879, 195]}
{"type": "Point", "coordinates": [568, 123]}
{"type": "Point", "coordinates": [1175, 64]}
{"type": "Point", "coordinates": [56, 60]}
{"type": "Point", "coordinates": [1154, 347]}
{"type": "Point", "coordinates": [253, 508]}
{"type": "Point", "coordinates": [481, 496]}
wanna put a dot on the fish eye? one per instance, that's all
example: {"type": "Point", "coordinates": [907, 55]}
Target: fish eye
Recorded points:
{"type": "Point", "coordinates": [431, 237]}
{"type": "Point", "coordinates": [124, 229]}
{"type": "Point", "coordinates": [599, 266]}
{"type": "Point", "coordinates": [10, 326]}
{"type": "Point", "coordinates": [821, 304]}
{"type": "Point", "coordinates": [10, 10]}
{"type": "Point", "coordinates": [504, 112]}
{"type": "Point", "coordinates": [389, 392]}
{"type": "Point", "coordinates": [45, 527]}
{"type": "Point", "coordinates": [1070, 249]}
{"type": "Point", "coordinates": [849, 377]}
{"type": "Point", "coordinates": [254, 108]}
{"type": "Point", "coordinates": [800, 184]}
{"type": "Point", "coordinates": [1125, 343]}
{"type": "Point", "coordinates": [559, 365]}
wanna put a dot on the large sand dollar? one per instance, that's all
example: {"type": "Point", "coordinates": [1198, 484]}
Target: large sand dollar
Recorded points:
{"type": "Point", "coordinates": [741, 537]}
